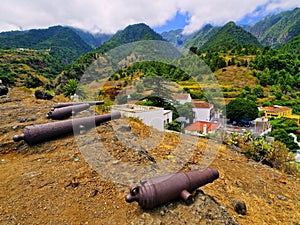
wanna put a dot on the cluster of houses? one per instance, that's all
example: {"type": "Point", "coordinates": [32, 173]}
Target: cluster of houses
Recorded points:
{"type": "Point", "coordinates": [203, 120]}
{"type": "Point", "coordinates": [205, 116]}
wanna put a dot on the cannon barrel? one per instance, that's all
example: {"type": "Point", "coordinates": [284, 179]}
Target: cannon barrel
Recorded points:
{"type": "Point", "coordinates": [64, 104]}
{"type": "Point", "coordinates": [45, 132]}
{"type": "Point", "coordinates": [66, 112]}
{"type": "Point", "coordinates": [159, 190]}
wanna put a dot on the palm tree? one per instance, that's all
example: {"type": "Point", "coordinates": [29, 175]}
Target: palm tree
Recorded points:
{"type": "Point", "coordinates": [72, 87]}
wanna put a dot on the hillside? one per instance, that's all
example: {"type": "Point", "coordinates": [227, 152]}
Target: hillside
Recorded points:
{"type": "Point", "coordinates": [93, 40]}
{"type": "Point", "coordinates": [202, 36]}
{"type": "Point", "coordinates": [278, 29]}
{"type": "Point", "coordinates": [132, 33]}
{"type": "Point", "coordinates": [292, 46]}
{"type": "Point", "coordinates": [62, 42]}
{"type": "Point", "coordinates": [28, 67]}
{"type": "Point", "coordinates": [176, 37]}
{"type": "Point", "coordinates": [53, 183]}
{"type": "Point", "coordinates": [229, 37]}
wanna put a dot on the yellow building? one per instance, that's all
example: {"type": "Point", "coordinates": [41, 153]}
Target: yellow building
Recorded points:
{"type": "Point", "coordinates": [280, 111]}
{"type": "Point", "coordinates": [294, 117]}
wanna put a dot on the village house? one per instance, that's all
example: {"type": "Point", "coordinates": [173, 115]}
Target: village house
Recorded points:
{"type": "Point", "coordinates": [155, 117]}
{"type": "Point", "coordinates": [261, 126]}
{"type": "Point", "coordinates": [182, 98]}
{"type": "Point", "coordinates": [277, 111]}
{"type": "Point", "coordinates": [202, 128]}
{"type": "Point", "coordinates": [203, 111]}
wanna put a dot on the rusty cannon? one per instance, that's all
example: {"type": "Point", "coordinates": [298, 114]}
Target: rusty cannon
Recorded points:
{"type": "Point", "coordinates": [66, 112]}
{"type": "Point", "coordinates": [66, 109]}
{"type": "Point", "coordinates": [65, 104]}
{"type": "Point", "coordinates": [159, 190]}
{"type": "Point", "coordinates": [45, 132]}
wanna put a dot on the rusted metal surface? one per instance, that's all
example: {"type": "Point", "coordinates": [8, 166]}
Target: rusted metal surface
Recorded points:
{"type": "Point", "coordinates": [64, 104]}
{"type": "Point", "coordinates": [159, 190]}
{"type": "Point", "coordinates": [45, 132]}
{"type": "Point", "coordinates": [66, 112]}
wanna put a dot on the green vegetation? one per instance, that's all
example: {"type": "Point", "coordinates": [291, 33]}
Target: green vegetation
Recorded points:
{"type": "Point", "coordinates": [202, 36]}
{"type": "Point", "coordinates": [281, 129]}
{"type": "Point", "coordinates": [214, 61]}
{"type": "Point", "coordinates": [93, 40]}
{"type": "Point", "coordinates": [131, 33]}
{"type": "Point", "coordinates": [241, 109]}
{"type": "Point", "coordinates": [229, 37]}
{"type": "Point", "coordinates": [278, 69]}
{"type": "Point", "coordinates": [62, 42]}
{"type": "Point", "coordinates": [274, 154]}
{"type": "Point", "coordinates": [72, 87]}
{"type": "Point", "coordinates": [30, 68]}
{"type": "Point", "coordinates": [185, 110]}
{"type": "Point", "coordinates": [278, 29]}
{"type": "Point", "coordinates": [292, 46]}
{"type": "Point", "coordinates": [159, 102]}
{"type": "Point", "coordinates": [174, 125]}
{"type": "Point", "coordinates": [146, 69]}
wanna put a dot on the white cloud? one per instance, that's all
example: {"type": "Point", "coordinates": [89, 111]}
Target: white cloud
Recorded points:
{"type": "Point", "coordinates": [279, 5]}
{"type": "Point", "coordinates": [112, 15]}
{"type": "Point", "coordinates": [216, 12]}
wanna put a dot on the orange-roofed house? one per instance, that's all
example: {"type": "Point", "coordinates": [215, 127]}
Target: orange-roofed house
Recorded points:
{"type": "Point", "coordinates": [202, 127]}
{"type": "Point", "coordinates": [277, 111]}
{"type": "Point", "coordinates": [182, 98]}
{"type": "Point", "coordinates": [280, 111]}
{"type": "Point", "coordinates": [204, 111]}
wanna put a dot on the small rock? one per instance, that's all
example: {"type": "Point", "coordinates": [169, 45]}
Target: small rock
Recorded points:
{"type": "Point", "coordinates": [22, 120]}
{"type": "Point", "coordinates": [42, 95]}
{"type": "Point", "coordinates": [124, 128]}
{"type": "Point", "coordinates": [15, 127]}
{"type": "Point", "coordinates": [240, 207]}
{"type": "Point", "coordinates": [115, 162]}
{"type": "Point", "coordinates": [283, 198]}
{"type": "Point", "coordinates": [94, 193]}
{"type": "Point", "coordinates": [31, 119]}
{"type": "Point", "coordinates": [3, 90]}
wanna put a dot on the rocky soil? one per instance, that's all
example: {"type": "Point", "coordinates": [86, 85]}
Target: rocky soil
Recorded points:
{"type": "Point", "coordinates": [84, 179]}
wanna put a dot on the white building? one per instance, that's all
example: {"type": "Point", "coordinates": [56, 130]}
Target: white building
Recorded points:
{"type": "Point", "coordinates": [182, 98]}
{"type": "Point", "coordinates": [152, 116]}
{"type": "Point", "coordinates": [203, 111]}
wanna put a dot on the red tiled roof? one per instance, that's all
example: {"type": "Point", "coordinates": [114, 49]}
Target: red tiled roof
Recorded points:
{"type": "Point", "coordinates": [180, 96]}
{"type": "Point", "coordinates": [273, 109]}
{"type": "Point", "coordinates": [167, 112]}
{"type": "Point", "coordinates": [201, 104]}
{"type": "Point", "coordinates": [198, 126]}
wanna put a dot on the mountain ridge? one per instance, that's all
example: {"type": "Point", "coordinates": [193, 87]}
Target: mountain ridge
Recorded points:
{"type": "Point", "coordinates": [62, 42]}
{"type": "Point", "coordinates": [202, 36]}
{"type": "Point", "coordinates": [277, 29]}
{"type": "Point", "coordinates": [229, 37]}
{"type": "Point", "coordinates": [131, 33]}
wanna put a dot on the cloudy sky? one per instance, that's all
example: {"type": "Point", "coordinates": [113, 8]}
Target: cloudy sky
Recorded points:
{"type": "Point", "coordinates": [108, 16]}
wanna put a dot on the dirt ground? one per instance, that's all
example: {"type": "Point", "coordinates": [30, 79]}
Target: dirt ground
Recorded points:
{"type": "Point", "coordinates": [69, 181]}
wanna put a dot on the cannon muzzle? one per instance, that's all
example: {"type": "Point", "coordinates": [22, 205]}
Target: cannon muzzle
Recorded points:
{"type": "Point", "coordinates": [45, 132]}
{"type": "Point", "coordinates": [159, 190]}
{"type": "Point", "coordinates": [65, 104]}
{"type": "Point", "coordinates": [65, 112]}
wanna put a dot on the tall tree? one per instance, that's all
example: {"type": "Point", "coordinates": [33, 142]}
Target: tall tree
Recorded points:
{"type": "Point", "coordinates": [241, 109]}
